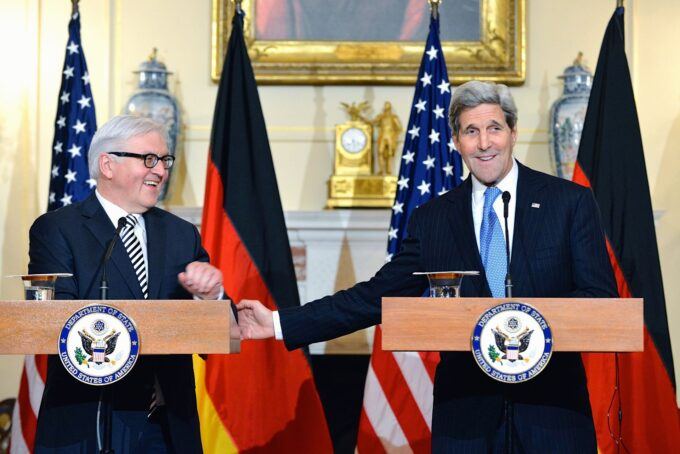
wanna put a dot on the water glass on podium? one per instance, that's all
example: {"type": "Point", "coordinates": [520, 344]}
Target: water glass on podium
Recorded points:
{"type": "Point", "coordinates": [40, 287]}
{"type": "Point", "coordinates": [446, 284]}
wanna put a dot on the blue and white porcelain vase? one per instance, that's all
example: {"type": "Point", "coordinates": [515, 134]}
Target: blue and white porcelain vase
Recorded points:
{"type": "Point", "coordinates": [153, 100]}
{"type": "Point", "coordinates": [567, 115]}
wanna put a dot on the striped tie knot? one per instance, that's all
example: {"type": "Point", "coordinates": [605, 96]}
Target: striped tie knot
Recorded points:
{"type": "Point", "coordinates": [131, 220]}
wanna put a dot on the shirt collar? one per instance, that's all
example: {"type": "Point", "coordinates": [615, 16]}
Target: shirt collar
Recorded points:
{"type": "Point", "coordinates": [508, 183]}
{"type": "Point", "coordinates": [114, 212]}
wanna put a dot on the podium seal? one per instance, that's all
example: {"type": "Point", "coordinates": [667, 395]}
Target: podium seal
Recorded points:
{"type": "Point", "coordinates": [99, 345]}
{"type": "Point", "coordinates": [512, 342]}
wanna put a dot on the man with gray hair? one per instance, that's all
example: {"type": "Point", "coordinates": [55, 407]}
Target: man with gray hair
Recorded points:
{"type": "Point", "coordinates": [557, 249]}
{"type": "Point", "coordinates": [160, 257]}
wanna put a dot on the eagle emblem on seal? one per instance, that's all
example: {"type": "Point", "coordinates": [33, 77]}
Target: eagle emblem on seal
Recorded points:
{"type": "Point", "coordinates": [510, 345]}
{"type": "Point", "coordinates": [99, 348]}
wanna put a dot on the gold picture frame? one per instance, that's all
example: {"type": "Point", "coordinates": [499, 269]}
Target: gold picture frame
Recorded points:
{"type": "Point", "coordinates": [499, 55]}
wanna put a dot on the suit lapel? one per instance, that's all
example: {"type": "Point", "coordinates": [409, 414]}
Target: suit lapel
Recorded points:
{"type": "Point", "coordinates": [527, 220]}
{"type": "Point", "coordinates": [463, 232]}
{"type": "Point", "coordinates": [99, 224]}
{"type": "Point", "coordinates": [155, 247]}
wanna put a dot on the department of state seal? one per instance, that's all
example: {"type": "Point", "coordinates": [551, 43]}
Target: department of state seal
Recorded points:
{"type": "Point", "coordinates": [99, 345]}
{"type": "Point", "coordinates": [512, 342]}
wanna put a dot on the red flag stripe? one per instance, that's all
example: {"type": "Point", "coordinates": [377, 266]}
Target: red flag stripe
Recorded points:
{"type": "Point", "coordinates": [368, 441]}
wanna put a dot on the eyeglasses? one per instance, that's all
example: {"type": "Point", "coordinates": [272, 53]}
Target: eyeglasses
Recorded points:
{"type": "Point", "coordinates": [150, 159]}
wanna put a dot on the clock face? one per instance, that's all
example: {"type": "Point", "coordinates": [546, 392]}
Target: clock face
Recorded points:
{"type": "Point", "coordinates": [353, 140]}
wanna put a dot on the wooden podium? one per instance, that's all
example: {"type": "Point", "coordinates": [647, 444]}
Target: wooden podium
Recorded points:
{"type": "Point", "coordinates": [164, 326]}
{"type": "Point", "coordinates": [578, 324]}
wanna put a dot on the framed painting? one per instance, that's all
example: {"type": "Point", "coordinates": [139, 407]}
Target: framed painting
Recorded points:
{"type": "Point", "coordinates": [323, 42]}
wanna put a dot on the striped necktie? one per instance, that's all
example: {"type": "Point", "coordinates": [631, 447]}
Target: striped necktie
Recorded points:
{"type": "Point", "coordinates": [492, 245]}
{"type": "Point", "coordinates": [134, 250]}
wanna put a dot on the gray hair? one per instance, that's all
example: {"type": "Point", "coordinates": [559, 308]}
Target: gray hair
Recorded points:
{"type": "Point", "coordinates": [113, 135]}
{"type": "Point", "coordinates": [472, 94]}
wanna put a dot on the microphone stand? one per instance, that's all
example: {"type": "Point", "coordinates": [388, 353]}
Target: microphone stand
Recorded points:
{"type": "Point", "coordinates": [508, 278]}
{"type": "Point", "coordinates": [106, 395]}
{"type": "Point", "coordinates": [508, 294]}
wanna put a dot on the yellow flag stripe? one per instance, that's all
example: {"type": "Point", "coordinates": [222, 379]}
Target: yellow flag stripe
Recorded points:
{"type": "Point", "coordinates": [214, 436]}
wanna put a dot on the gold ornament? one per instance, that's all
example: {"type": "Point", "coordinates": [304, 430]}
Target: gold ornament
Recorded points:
{"type": "Point", "coordinates": [354, 183]}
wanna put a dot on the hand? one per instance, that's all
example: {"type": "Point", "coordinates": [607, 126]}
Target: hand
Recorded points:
{"type": "Point", "coordinates": [201, 279]}
{"type": "Point", "coordinates": [254, 320]}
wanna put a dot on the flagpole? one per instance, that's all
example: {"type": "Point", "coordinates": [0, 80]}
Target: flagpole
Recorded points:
{"type": "Point", "coordinates": [434, 7]}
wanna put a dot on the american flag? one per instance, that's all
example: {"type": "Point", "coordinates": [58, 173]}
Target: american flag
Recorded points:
{"type": "Point", "coordinates": [74, 126]}
{"type": "Point", "coordinates": [69, 182]}
{"type": "Point", "coordinates": [397, 409]}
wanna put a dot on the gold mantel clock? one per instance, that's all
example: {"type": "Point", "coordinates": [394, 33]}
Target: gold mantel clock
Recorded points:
{"type": "Point", "coordinates": [353, 183]}
{"type": "Point", "coordinates": [353, 148]}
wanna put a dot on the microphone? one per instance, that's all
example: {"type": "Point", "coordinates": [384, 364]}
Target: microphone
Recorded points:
{"type": "Point", "coordinates": [104, 287]}
{"type": "Point", "coordinates": [508, 278]}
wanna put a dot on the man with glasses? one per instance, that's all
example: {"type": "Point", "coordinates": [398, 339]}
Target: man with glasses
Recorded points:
{"type": "Point", "coordinates": [160, 257]}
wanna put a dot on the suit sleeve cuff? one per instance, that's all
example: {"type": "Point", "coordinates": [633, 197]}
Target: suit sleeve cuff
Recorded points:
{"type": "Point", "coordinates": [278, 333]}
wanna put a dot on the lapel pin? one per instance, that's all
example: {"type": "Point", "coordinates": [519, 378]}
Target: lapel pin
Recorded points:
{"type": "Point", "coordinates": [535, 205]}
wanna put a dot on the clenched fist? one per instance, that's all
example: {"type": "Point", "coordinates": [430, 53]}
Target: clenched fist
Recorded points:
{"type": "Point", "coordinates": [202, 280]}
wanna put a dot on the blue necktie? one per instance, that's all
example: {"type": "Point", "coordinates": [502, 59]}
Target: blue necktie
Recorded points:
{"type": "Point", "coordinates": [492, 245]}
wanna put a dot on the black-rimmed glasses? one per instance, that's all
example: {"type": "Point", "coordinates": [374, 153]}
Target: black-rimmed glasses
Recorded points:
{"type": "Point", "coordinates": [150, 159]}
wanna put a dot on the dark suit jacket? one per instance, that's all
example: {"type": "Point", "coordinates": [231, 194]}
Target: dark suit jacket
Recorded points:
{"type": "Point", "coordinates": [558, 251]}
{"type": "Point", "coordinates": [73, 239]}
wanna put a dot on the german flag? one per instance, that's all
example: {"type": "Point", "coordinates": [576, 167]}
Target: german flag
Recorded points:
{"type": "Point", "coordinates": [263, 399]}
{"type": "Point", "coordinates": [632, 394]}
